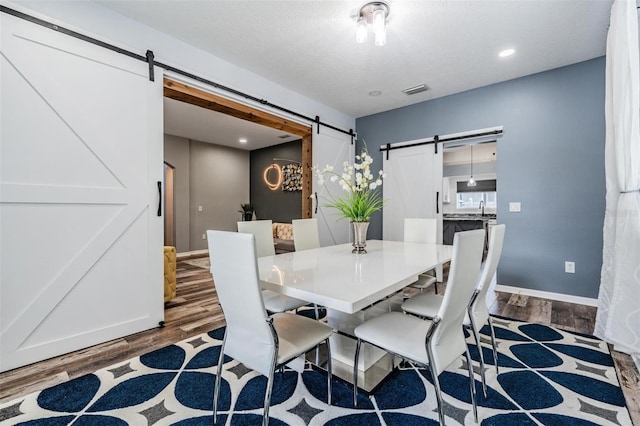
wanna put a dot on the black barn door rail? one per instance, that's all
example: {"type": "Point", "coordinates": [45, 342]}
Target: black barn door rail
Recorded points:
{"type": "Point", "coordinates": [437, 139]}
{"type": "Point", "coordinates": [149, 58]}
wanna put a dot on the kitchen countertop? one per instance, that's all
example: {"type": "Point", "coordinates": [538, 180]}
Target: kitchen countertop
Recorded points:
{"type": "Point", "coordinates": [468, 216]}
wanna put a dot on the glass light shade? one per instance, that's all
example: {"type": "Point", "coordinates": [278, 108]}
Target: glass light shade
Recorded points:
{"type": "Point", "coordinates": [378, 21]}
{"type": "Point", "coordinates": [361, 31]}
{"type": "Point", "coordinates": [471, 182]}
{"type": "Point", "coordinates": [381, 38]}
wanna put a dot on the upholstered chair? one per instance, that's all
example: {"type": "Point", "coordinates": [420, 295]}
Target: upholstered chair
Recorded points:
{"type": "Point", "coordinates": [428, 305]}
{"type": "Point", "coordinates": [169, 273]}
{"type": "Point", "coordinates": [261, 342]}
{"type": "Point", "coordinates": [435, 343]}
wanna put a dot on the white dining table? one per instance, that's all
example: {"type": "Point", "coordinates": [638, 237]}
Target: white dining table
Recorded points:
{"type": "Point", "coordinates": [334, 277]}
{"type": "Point", "coordinates": [349, 285]}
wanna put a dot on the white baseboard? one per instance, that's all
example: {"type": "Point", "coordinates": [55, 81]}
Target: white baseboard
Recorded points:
{"type": "Point", "coordinates": [194, 253]}
{"type": "Point", "coordinates": [548, 295]}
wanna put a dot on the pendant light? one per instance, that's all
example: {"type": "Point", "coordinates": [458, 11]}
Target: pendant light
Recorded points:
{"type": "Point", "coordinates": [471, 181]}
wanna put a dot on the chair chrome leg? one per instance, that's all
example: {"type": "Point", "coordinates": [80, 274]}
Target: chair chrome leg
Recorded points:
{"type": "Point", "coordinates": [267, 399]}
{"type": "Point", "coordinates": [476, 336]}
{"type": "Point", "coordinates": [436, 285]}
{"type": "Point", "coordinates": [436, 385]}
{"type": "Point", "coordinates": [355, 373]}
{"type": "Point", "coordinates": [216, 389]}
{"type": "Point", "coordinates": [329, 372]}
{"type": "Point", "coordinates": [472, 387]}
{"type": "Point", "coordinates": [315, 308]}
{"type": "Point", "coordinates": [493, 343]}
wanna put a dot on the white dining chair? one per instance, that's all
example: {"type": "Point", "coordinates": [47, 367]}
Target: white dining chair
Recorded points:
{"type": "Point", "coordinates": [436, 343]}
{"type": "Point", "coordinates": [263, 232]}
{"type": "Point", "coordinates": [305, 234]}
{"type": "Point", "coordinates": [306, 237]}
{"type": "Point", "coordinates": [421, 230]}
{"type": "Point", "coordinates": [428, 305]}
{"type": "Point", "coordinates": [261, 342]}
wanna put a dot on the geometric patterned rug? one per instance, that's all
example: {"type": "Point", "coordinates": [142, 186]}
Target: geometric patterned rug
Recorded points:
{"type": "Point", "coordinates": [547, 377]}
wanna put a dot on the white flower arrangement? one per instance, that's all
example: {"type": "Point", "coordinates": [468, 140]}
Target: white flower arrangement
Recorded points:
{"type": "Point", "coordinates": [361, 199]}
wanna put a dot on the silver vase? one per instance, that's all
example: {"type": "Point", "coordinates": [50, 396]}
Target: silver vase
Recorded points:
{"type": "Point", "coordinates": [359, 236]}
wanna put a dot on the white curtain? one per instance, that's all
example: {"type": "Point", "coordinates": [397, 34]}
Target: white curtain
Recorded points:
{"type": "Point", "coordinates": [618, 319]}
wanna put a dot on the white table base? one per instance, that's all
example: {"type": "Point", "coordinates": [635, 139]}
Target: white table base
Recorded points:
{"type": "Point", "coordinates": [374, 364]}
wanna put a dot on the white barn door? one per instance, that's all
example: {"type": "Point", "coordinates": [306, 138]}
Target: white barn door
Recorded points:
{"type": "Point", "coordinates": [80, 158]}
{"type": "Point", "coordinates": [330, 148]}
{"type": "Point", "coordinates": [413, 187]}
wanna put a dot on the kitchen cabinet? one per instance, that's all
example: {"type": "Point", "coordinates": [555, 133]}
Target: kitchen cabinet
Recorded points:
{"type": "Point", "coordinates": [451, 226]}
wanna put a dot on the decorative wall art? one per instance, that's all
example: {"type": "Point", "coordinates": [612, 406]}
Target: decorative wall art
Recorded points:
{"type": "Point", "coordinates": [292, 177]}
{"type": "Point", "coordinates": [273, 176]}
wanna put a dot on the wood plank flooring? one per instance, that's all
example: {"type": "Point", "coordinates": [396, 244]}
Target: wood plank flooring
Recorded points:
{"type": "Point", "coordinates": [195, 310]}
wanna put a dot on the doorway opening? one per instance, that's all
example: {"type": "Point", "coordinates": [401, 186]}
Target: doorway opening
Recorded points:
{"type": "Point", "coordinates": [194, 96]}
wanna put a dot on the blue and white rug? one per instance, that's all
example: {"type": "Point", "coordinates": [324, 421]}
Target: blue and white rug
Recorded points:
{"type": "Point", "coordinates": [547, 376]}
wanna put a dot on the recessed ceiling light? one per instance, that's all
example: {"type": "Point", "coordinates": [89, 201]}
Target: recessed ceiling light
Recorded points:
{"type": "Point", "coordinates": [375, 93]}
{"type": "Point", "coordinates": [507, 52]}
{"type": "Point", "coordinates": [242, 140]}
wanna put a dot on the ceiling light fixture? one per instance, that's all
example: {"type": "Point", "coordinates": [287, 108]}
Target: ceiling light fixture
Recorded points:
{"type": "Point", "coordinates": [242, 140]}
{"type": "Point", "coordinates": [375, 93]}
{"type": "Point", "coordinates": [374, 13]}
{"type": "Point", "coordinates": [471, 181]}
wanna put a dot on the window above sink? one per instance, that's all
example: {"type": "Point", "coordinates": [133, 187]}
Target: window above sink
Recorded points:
{"type": "Point", "coordinates": [471, 200]}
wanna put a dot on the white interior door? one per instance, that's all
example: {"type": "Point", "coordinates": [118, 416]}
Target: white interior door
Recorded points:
{"type": "Point", "coordinates": [330, 148]}
{"type": "Point", "coordinates": [413, 187]}
{"type": "Point", "coordinates": [80, 158]}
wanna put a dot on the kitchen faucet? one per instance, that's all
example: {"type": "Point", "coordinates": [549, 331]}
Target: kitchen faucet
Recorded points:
{"type": "Point", "coordinates": [481, 206]}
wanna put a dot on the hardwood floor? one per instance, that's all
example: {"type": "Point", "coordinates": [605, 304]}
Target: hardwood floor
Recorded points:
{"type": "Point", "coordinates": [195, 310]}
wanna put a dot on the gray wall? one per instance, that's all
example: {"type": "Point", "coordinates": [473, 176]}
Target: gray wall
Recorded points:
{"type": "Point", "coordinates": [278, 205]}
{"type": "Point", "coordinates": [211, 176]}
{"type": "Point", "coordinates": [176, 153]}
{"type": "Point", "coordinates": [551, 159]}
{"type": "Point", "coordinates": [219, 183]}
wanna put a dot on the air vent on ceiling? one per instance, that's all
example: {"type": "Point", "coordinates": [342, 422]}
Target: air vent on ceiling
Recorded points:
{"type": "Point", "coordinates": [284, 136]}
{"type": "Point", "coordinates": [416, 89]}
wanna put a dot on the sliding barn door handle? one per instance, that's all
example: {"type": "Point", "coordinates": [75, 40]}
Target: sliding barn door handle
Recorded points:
{"type": "Point", "coordinates": [159, 198]}
{"type": "Point", "coordinates": [316, 195]}
{"type": "Point", "coordinates": [437, 202]}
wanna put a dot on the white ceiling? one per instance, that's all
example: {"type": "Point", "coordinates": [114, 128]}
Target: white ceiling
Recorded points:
{"type": "Point", "coordinates": [451, 45]}
{"type": "Point", "coordinates": [192, 122]}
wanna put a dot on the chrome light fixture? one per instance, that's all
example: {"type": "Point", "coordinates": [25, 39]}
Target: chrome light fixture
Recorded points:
{"type": "Point", "coordinates": [374, 13]}
{"type": "Point", "coordinates": [471, 181]}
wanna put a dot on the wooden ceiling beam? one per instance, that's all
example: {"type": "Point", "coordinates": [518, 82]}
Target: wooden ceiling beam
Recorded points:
{"type": "Point", "coordinates": [191, 95]}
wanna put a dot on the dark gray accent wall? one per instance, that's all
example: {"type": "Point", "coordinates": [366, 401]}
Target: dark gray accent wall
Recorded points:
{"type": "Point", "coordinates": [550, 159]}
{"type": "Point", "coordinates": [278, 205]}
